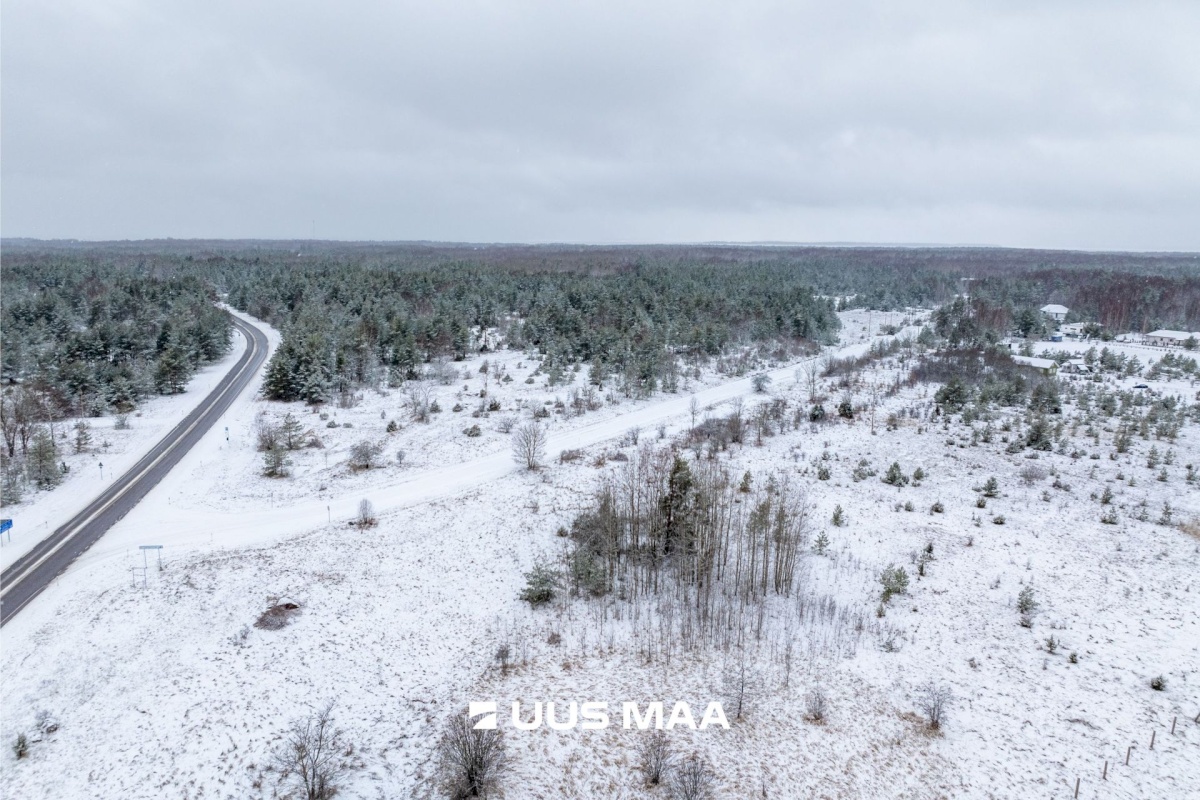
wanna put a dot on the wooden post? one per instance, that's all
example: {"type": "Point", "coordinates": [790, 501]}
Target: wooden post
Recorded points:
{"type": "Point", "coordinates": [1077, 787]}
{"type": "Point", "coordinates": [1104, 775]}
{"type": "Point", "coordinates": [1127, 752]}
{"type": "Point", "coordinates": [1173, 719]}
{"type": "Point", "coordinates": [1152, 733]}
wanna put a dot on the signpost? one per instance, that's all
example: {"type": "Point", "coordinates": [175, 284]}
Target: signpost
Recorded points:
{"type": "Point", "coordinates": [6, 527]}
{"type": "Point", "coordinates": [144, 548]}
{"type": "Point", "coordinates": [101, 470]}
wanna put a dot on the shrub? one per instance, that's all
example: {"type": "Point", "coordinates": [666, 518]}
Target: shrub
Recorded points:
{"type": "Point", "coordinates": [823, 473]}
{"type": "Point", "coordinates": [991, 488]}
{"type": "Point", "coordinates": [693, 780]}
{"type": "Point", "coordinates": [470, 762]}
{"type": "Point", "coordinates": [21, 746]}
{"type": "Point", "coordinates": [894, 580]}
{"type": "Point", "coordinates": [1031, 474]}
{"type": "Point", "coordinates": [366, 514]}
{"type": "Point", "coordinates": [655, 757]}
{"type": "Point", "coordinates": [1158, 683]}
{"type": "Point", "coordinates": [364, 455]}
{"type": "Point", "coordinates": [473, 431]}
{"type": "Point", "coordinates": [815, 705]}
{"type": "Point", "coordinates": [934, 702]}
{"type": "Point", "coordinates": [894, 476]}
{"type": "Point", "coordinates": [816, 413]}
{"type": "Point", "coordinates": [846, 409]}
{"type": "Point", "coordinates": [839, 516]}
{"type": "Point", "coordinates": [761, 382]}
{"type": "Point", "coordinates": [998, 519]}
{"type": "Point", "coordinates": [541, 584]}
{"type": "Point", "coordinates": [393, 426]}
{"type": "Point", "coordinates": [937, 507]}
{"type": "Point", "coordinates": [918, 476]}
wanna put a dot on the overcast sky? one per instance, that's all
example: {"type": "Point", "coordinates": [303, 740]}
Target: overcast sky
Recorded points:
{"type": "Point", "coordinates": [1049, 124]}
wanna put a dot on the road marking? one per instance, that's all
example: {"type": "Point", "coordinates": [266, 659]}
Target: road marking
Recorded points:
{"type": "Point", "coordinates": [129, 483]}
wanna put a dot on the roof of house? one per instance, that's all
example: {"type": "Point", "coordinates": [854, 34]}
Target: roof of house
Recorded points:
{"type": "Point", "coordinates": [1054, 309]}
{"type": "Point", "coordinates": [1039, 363]}
{"type": "Point", "coordinates": [1180, 335]}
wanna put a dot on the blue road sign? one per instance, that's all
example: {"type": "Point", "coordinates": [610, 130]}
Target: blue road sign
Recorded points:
{"type": "Point", "coordinates": [5, 524]}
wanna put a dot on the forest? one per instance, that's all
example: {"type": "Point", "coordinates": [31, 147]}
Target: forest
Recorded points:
{"type": "Point", "coordinates": [84, 340]}
{"type": "Point", "coordinates": [94, 328]}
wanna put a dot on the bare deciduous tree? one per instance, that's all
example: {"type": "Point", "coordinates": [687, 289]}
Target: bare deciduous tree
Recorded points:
{"type": "Point", "coordinates": [741, 683]}
{"type": "Point", "coordinates": [470, 761]}
{"type": "Point", "coordinates": [529, 445]}
{"type": "Point", "coordinates": [365, 455]}
{"type": "Point", "coordinates": [693, 780]}
{"type": "Point", "coordinates": [312, 755]}
{"type": "Point", "coordinates": [933, 701]}
{"type": "Point", "coordinates": [655, 757]}
{"type": "Point", "coordinates": [366, 514]}
{"type": "Point", "coordinates": [420, 400]}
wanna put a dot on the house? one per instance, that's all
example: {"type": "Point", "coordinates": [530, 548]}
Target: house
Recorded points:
{"type": "Point", "coordinates": [1042, 365]}
{"type": "Point", "coordinates": [1055, 312]}
{"type": "Point", "coordinates": [1074, 330]}
{"type": "Point", "coordinates": [1077, 366]}
{"type": "Point", "coordinates": [1166, 338]}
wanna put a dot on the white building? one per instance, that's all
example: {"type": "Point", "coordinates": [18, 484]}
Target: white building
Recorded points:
{"type": "Point", "coordinates": [1166, 338]}
{"type": "Point", "coordinates": [1055, 312]}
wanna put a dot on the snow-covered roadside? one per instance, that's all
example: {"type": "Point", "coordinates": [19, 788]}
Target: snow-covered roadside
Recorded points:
{"type": "Point", "coordinates": [400, 623]}
{"type": "Point", "coordinates": [193, 507]}
{"type": "Point", "coordinates": [40, 513]}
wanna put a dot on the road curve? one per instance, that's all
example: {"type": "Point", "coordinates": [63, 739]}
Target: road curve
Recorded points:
{"type": "Point", "coordinates": [29, 575]}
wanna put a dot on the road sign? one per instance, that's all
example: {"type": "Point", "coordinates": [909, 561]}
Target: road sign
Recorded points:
{"type": "Point", "coordinates": [6, 527]}
{"type": "Point", "coordinates": [144, 548]}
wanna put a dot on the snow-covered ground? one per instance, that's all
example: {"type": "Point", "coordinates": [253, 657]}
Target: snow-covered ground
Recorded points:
{"type": "Point", "coordinates": [165, 691]}
{"type": "Point", "coordinates": [110, 454]}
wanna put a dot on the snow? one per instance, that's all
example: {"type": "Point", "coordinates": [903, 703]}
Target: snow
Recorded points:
{"type": "Point", "coordinates": [399, 623]}
{"type": "Point", "coordinates": [40, 513]}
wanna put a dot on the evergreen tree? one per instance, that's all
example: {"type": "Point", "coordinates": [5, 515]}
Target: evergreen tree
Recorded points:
{"type": "Point", "coordinates": [43, 460]}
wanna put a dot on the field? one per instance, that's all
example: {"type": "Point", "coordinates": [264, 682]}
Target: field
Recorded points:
{"type": "Point", "coordinates": [403, 622]}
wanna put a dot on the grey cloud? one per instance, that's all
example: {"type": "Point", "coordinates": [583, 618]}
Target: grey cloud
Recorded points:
{"type": "Point", "coordinates": [1071, 124]}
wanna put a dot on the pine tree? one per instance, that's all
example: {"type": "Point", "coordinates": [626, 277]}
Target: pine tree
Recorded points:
{"type": "Point", "coordinates": [292, 432]}
{"type": "Point", "coordinates": [172, 371]}
{"type": "Point", "coordinates": [276, 461]}
{"type": "Point", "coordinates": [83, 436]}
{"type": "Point", "coordinates": [43, 461]}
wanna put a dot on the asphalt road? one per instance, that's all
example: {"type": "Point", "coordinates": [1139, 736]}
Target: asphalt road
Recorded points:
{"type": "Point", "coordinates": [28, 576]}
